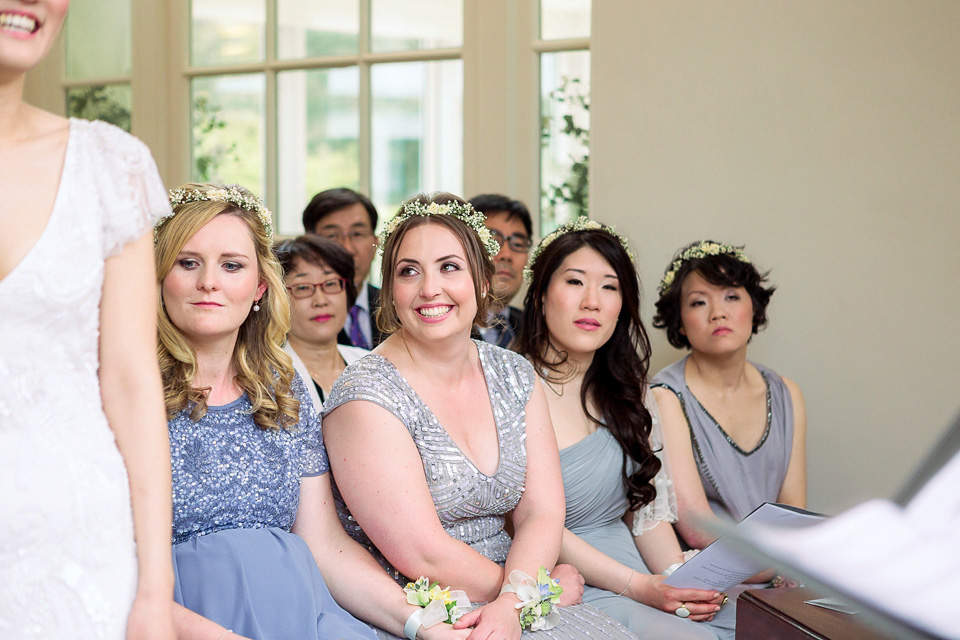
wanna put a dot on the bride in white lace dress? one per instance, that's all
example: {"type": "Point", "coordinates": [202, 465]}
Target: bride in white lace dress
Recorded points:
{"type": "Point", "coordinates": [80, 395]}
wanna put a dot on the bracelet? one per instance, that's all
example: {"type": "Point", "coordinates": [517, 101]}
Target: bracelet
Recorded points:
{"type": "Point", "coordinates": [413, 624]}
{"type": "Point", "coordinates": [629, 578]}
{"type": "Point", "coordinates": [224, 634]}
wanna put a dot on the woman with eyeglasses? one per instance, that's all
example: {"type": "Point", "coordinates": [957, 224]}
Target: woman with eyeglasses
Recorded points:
{"type": "Point", "coordinates": [318, 274]}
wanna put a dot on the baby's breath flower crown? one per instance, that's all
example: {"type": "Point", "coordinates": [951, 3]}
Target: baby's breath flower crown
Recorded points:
{"type": "Point", "coordinates": [701, 249]}
{"type": "Point", "coordinates": [582, 223]}
{"type": "Point", "coordinates": [463, 212]}
{"type": "Point", "coordinates": [232, 193]}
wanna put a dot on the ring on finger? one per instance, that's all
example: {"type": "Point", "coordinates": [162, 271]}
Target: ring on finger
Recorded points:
{"type": "Point", "coordinates": [682, 611]}
{"type": "Point", "coordinates": [725, 600]}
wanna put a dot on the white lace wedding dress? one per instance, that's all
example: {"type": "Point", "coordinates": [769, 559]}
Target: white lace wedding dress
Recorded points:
{"type": "Point", "coordinates": [67, 563]}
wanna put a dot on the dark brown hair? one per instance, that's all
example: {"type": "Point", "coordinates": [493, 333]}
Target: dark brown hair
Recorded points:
{"type": "Point", "coordinates": [616, 380]}
{"type": "Point", "coordinates": [479, 262]}
{"type": "Point", "coordinates": [318, 251]}
{"type": "Point", "coordinates": [722, 270]}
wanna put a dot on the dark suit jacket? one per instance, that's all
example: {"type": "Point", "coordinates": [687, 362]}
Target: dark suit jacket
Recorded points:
{"type": "Point", "coordinates": [373, 298]}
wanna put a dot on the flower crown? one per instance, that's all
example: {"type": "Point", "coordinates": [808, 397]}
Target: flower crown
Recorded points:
{"type": "Point", "coordinates": [233, 193]}
{"type": "Point", "coordinates": [701, 249]}
{"type": "Point", "coordinates": [582, 223]}
{"type": "Point", "coordinates": [463, 212]}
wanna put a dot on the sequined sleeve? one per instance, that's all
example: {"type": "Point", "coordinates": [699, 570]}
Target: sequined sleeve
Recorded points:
{"type": "Point", "coordinates": [664, 506]}
{"type": "Point", "coordinates": [313, 453]}
{"type": "Point", "coordinates": [371, 379]}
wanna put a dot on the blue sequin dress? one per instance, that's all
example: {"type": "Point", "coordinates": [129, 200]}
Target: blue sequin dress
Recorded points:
{"type": "Point", "coordinates": [236, 489]}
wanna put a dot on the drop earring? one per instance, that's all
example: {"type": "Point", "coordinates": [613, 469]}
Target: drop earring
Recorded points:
{"type": "Point", "coordinates": [256, 306]}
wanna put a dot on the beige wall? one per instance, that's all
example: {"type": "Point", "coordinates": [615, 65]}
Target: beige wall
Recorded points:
{"type": "Point", "coordinates": [825, 135]}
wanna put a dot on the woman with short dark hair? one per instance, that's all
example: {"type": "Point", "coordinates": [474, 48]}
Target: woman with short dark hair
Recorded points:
{"type": "Point", "coordinates": [318, 274]}
{"type": "Point", "coordinates": [735, 430]}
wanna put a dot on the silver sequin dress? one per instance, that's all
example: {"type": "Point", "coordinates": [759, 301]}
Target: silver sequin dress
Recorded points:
{"type": "Point", "coordinates": [471, 505]}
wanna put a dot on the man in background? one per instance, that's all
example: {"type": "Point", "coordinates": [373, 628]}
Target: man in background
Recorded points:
{"type": "Point", "coordinates": [509, 222]}
{"type": "Point", "coordinates": [350, 219]}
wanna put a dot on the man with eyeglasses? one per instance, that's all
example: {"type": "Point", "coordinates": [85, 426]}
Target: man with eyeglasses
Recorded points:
{"type": "Point", "coordinates": [509, 222]}
{"type": "Point", "coordinates": [350, 219]}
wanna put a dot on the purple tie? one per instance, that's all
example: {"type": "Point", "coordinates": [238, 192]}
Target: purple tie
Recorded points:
{"type": "Point", "coordinates": [356, 333]}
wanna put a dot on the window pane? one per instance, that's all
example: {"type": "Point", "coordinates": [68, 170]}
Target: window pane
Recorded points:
{"type": "Point", "coordinates": [564, 136]}
{"type": "Point", "coordinates": [98, 39]}
{"type": "Point", "coordinates": [316, 28]}
{"type": "Point", "coordinates": [111, 103]}
{"type": "Point", "coordinates": [226, 32]}
{"type": "Point", "coordinates": [404, 25]}
{"type": "Point", "coordinates": [318, 126]}
{"type": "Point", "coordinates": [564, 19]}
{"type": "Point", "coordinates": [417, 130]}
{"type": "Point", "coordinates": [227, 145]}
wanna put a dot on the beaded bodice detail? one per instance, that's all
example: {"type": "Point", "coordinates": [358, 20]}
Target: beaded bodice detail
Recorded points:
{"type": "Point", "coordinates": [470, 504]}
{"type": "Point", "coordinates": [228, 473]}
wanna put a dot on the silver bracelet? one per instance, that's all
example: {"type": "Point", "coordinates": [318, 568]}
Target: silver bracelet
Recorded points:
{"type": "Point", "coordinates": [626, 586]}
{"type": "Point", "coordinates": [224, 634]}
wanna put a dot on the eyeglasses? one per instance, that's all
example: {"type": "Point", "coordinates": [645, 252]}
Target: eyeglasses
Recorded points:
{"type": "Point", "coordinates": [303, 290]}
{"type": "Point", "coordinates": [517, 241]}
{"type": "Point", "coordinates": [354, 236]}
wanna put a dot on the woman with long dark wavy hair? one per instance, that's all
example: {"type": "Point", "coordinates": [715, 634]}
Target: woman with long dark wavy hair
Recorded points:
{"type": "Point", "coordinates": [583, 333]}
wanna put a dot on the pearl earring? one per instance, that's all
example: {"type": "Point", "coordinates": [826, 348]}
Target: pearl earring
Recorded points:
{"type": "Point", "coordinates": [256, 306]}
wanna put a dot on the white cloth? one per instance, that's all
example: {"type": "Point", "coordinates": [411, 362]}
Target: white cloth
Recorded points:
{"type": "Point", "coordinates": [664, 506]}
{"type": "Point", "coordinates": [66, 534]}
{"type": "Point", "coordinates": [349, 355]}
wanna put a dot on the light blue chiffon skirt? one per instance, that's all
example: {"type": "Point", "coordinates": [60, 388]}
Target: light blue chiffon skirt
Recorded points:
{"type": "Point", "coordinates": [261, 583]}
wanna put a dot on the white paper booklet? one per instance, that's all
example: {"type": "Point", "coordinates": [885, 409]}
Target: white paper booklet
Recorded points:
{"type": "Point", "coordinates": [724, 564]}
{"type": "Point", "coordinates": [901, 561]}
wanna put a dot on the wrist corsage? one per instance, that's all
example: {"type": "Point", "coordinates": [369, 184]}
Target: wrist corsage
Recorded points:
{"type": "Point", "coordinates": [439, 605]}
{"type": "Point", "coordinates": [538, 599]}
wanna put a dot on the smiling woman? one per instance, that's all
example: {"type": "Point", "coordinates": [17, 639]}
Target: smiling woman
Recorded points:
{"type": "Point", "coordinates": [457, 428]}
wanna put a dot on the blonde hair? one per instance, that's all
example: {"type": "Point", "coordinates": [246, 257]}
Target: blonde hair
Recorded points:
{"type": "Point", "coordinates": [479, 261]}
{"type": "Point", "coordinates": [264, 370]}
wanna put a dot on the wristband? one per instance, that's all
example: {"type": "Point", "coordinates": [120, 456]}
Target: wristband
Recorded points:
{"type": "Point", "coordinates": [672, 568]}
{"type": "Point", "coordinates": [413, 624]}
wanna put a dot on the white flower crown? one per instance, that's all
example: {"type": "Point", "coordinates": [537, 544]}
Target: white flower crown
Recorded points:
{"type": "Point", "coordinates": [232, 193]}
{"type": "Point", "coordinates": [581, 223]}
{"type": "Point", "coordinates": [701, 249]}
{"type": "Point", "coordinates": [463, 212]}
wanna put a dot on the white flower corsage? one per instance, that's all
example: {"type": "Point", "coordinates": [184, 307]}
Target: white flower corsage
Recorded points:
{"type": "Point", "coordinates": [439, 605]}
{"type": "Point", "coordinates": [538, 599]}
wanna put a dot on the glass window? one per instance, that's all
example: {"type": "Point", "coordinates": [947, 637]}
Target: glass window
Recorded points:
{"type": "Point", "coordinates": [227, 32]}
{"type": "Point", "coordinates": [317, 28]}
{"type": "Point", "coordinates": [417, 130]}
{"type": "Point", "coordinates": [111, 103]}
{"type": "Point", "coordinates": [98, 39]}
{"type": "Point", "coordinates": [405, 25]}
{"type": "Point", "coordinates": [564, 19]}
{"type": "Point", "coordinates": [228, 129]}
{"type": "Point", "coordinates": [564, 136]}
{"type": "Point", "coordinates": [318, 132]}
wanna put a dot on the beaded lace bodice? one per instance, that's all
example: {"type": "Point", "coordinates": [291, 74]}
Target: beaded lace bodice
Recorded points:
{"type": "Point", "coordinates": [66, 535]}
{"type": "Point", "coordinates": [228, 473]}
{"type": "Point", "coordinates": [471, 505]}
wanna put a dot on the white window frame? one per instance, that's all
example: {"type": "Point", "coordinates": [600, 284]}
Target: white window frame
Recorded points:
{"type": "Point", "coordinates": [501, 77]}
